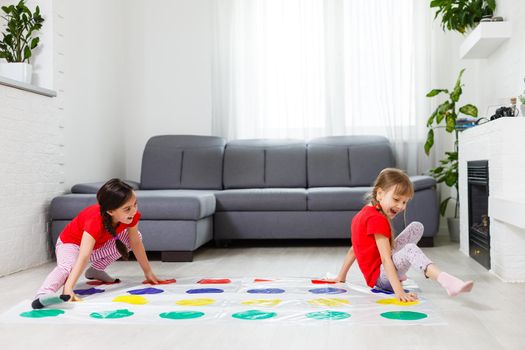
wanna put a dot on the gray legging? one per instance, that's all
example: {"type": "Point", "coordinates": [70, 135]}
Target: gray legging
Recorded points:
{"type": "Point", "coordinates": [405, 254]}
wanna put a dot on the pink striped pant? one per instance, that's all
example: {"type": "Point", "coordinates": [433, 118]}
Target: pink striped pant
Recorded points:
{"type": "Point", "coordinates": [405, 254]}
{"type": "Point", "coordinates": [67, 254]}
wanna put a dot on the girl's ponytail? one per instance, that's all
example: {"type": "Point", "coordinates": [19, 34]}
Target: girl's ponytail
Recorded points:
{"type": "Point", "coordinates": [112, 195]}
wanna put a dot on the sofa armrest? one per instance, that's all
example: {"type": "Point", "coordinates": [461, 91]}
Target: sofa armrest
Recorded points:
{"type": "Point", "coordinates": [93, 187]}
{"type": "Point", "coordinates": [422, 182]}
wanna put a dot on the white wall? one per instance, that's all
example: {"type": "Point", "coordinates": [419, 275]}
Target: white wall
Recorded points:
{"type": "Point", "coordinates": [95, 126]}
{"type": "Point", "coordinates": [168, 67]}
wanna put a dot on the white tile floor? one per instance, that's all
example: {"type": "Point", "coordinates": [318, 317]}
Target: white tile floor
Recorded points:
{"type": "Point", "coordinates": [491, 317]}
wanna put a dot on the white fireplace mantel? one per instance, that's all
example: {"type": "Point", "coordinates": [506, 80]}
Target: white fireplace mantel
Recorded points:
{"type": "Point", "coordinates": [502, 143]}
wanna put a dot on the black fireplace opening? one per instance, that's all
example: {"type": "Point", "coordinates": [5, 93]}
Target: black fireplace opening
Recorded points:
{"type": "Point", "coordinates": [478, 205]}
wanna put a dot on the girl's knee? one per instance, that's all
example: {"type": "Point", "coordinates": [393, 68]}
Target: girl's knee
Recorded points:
{"type": "Point", "coordinates": [416, 226]}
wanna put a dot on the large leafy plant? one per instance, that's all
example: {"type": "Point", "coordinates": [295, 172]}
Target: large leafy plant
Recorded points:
{"type": "Point", "coordinates": [447, 170]}
{"type": "Point", "coordinates": [18, 39]}
{"type": "Point", "coordinates": [460, 15]}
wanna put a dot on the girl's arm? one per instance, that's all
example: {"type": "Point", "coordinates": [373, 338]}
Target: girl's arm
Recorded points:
{"type": "Point", "coordinates": [347, 264]}
{"type": "Point", "coordinates": [86, 247]}
{"type": "Point", "coordinates": [140, 254]}
{"type": "Point", "coordinates": [383, 244]}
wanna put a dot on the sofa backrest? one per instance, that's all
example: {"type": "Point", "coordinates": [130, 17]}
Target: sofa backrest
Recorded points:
{"type": "Point", "coordinates": [182, 161]}
{"type": "Point", "coordinates": [347, 160]}
{"type": "Point", "coordinates": [264, 163]}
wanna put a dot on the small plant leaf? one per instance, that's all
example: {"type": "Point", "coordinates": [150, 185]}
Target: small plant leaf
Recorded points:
{"type": "Point", "coordinates": [469, 110]}
{"type": "Point", "coordinates": [430, 141]}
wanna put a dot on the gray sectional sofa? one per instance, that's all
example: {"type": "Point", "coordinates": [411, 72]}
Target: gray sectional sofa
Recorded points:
{"type": "Point", "coordinates": [197, 188]}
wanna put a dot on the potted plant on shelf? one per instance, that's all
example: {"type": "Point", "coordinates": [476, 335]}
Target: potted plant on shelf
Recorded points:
{"type": "Point", "coordinates": [18, 41]}
{"type": "Point", "coordinates": [447, 170]}
{"type": "Point", "coordinates": [461, 15]}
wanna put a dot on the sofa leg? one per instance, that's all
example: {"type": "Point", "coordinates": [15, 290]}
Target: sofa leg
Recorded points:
{"type": "Point", "coordinates": [176, 256]}
{"type": "Point", "coordinates": [426, 242]}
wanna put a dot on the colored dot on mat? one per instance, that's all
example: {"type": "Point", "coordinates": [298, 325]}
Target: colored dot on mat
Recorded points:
{"type": "Point", "coordinates": [394, 301]}
{"type": "Point", "coordinates": [145, 291]}
{"type": "Point", "coordinates": [131, 299]}
{"type": "Point", "coordinates": [215, 281]}
{"type": "Point", "coordinates": [404, 315]}
{"type": "Point", "coordinates": [254, 315]}
{"type": "Point", "coordinates": [195, 302]}
{"type": "Point", "coordinates": [111, 314]}
{"type": "Point", "coordinates": [42, 313]}
{"type": "Point", "coordinates": [328, 315]}
{"type": "Point", "coordinates": [181, 315]}
{"type": "Point", "coordinates": [262, 302]}
{"type": "Point", "coordinates": [262, 280]}
{"type": "Point", "coordinates": [328, 302]}
{"type": "Point", "coordinates": [89, 291]}
{"type": "Point", "coordinates": [322, 282]}
{"type": "Point", "coordinates": [328, 290]}
{"type": "Point", "coordinates": [204, 290]}
{"type": "Point", "coordinates": [379, 290]}
{"type": "Point", "coordinates": [266, 291]}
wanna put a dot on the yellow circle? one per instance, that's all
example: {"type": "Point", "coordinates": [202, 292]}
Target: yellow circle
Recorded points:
{"type": "Point", "coordinates": [328, 302]}
{"type": "Point", "coordinates": [131, 299]}
{"type": "Point", "coordinates": [262, 302]}
{"type": "Point", "coordinates": [195, 302]}
{"type": "Point", "coordinates": [394, 301]}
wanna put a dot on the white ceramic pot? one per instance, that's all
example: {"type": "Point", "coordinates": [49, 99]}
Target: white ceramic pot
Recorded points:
{"type": "Point", "coordinates": [17, 71]}
{"type": "Point", "coordinates": [522, 112]}
{"type": "Point", "coordinates": [453, 229]}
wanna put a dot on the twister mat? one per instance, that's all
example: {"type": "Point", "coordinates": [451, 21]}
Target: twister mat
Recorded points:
{"type": "Point", "coordinates": [217, 300]}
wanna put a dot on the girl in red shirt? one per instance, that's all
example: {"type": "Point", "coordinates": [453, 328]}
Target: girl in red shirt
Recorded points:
{"type": "Point", "coordinates": [382, 259]}
{"type": "Point", "coordinates": [101, 234]}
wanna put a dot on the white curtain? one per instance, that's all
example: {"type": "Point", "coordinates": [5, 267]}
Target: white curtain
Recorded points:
{"type": "Point", "coordinates": [309, 68]}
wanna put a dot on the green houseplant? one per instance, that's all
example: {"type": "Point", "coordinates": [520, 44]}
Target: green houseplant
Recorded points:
{"type": "Point", "coordinates": [19, 40]}
{"type": "Point", "coordinates": [447, 170]}
{"type": "Point", "coordinates": [460, 15]}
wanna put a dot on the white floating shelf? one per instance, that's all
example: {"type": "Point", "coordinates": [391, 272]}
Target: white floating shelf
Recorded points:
{"type": "Point", "coordinates": [486, 38]}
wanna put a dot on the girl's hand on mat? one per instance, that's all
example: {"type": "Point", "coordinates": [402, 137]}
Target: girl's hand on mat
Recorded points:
{"type": "Point", "coordinates": [151, 278]}
{"type": "Point", "coordinates": [406, 297]}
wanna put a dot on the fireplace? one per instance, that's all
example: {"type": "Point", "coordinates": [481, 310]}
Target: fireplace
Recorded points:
{"type": "Point", "coordinates": [478, 219]}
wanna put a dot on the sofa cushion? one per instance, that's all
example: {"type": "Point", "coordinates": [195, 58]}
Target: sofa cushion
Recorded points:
{"type": "Point", "coordinates": [261, 199]}
{"type": "Point", "coordinates": [337, 198]}
{"type": "Point", "coordinates": [182, 162]}
{"type": "Point", "coordinates": [343, 161]}
{"type": "Point", "coordinates": [153, 205]}
{"type": "Point", "coordinates": [265, 163]}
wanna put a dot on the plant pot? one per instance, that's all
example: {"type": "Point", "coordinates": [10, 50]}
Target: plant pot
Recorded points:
{"type": "Point", "coordinates": [453, 229]}
{"type": "Point", "coordinates": [16, 71]}
{"type": "Point", "coordinates": [522, 110]}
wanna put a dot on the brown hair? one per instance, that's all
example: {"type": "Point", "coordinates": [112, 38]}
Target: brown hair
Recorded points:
{"type": "Point", "coordinates": [112, 195]}
{"type": "Point", "coordinates": [388, 178]}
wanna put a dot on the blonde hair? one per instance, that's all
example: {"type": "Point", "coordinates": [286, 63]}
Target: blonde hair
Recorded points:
{"type": "Point", "coordinates": [388, 178]}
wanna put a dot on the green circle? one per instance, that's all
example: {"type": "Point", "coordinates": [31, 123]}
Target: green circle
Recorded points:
{"type": "Point", "coordinates": [42, 313]}
{"type": "Point", "coordinates": [112, 314]}
{"type": "Point", "coordinates": [328, 315]}
{"type": "Point", "coordinates": [254, 315]}
{"type": "Point", "coordinates": [404, 315]}
{"type": "Point", "coordinates": [181, 315]}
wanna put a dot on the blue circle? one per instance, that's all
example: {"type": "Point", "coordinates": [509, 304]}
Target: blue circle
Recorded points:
{"type": "Point", "coordinates": [145, 291]}
{"type": "Point", "coordinates": [328, 290]}
{"type": "Point", "coordinates": [266, 291]}
{"type": "Point", "coordinates": [89, 291]}
{"type": "Point", "coordinates": [204, 290]}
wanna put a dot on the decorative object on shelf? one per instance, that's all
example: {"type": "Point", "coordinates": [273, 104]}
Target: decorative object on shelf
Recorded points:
{"type": "Point", "coordinates": [461, 15]}
{"type": "Point", "coordinates": [447, 171]}
{"type": "Point", "coordinates": [19, 40]}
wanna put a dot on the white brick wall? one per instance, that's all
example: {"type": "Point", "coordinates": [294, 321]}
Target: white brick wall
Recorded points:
{"type": "Point", "coordinates": [31, 161]}
{"type": "Point", "coordinates": [501, 142]}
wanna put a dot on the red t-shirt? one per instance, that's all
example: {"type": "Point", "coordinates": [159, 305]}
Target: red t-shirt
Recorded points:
{"type": "Point", "coordinates": [365, 225]}
{"type": "Point", "coordinates": [90, 221]}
